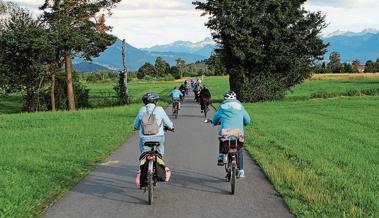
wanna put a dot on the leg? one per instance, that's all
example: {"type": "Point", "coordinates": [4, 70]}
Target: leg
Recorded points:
{"type": "Point", "coordinates": [240, 159]}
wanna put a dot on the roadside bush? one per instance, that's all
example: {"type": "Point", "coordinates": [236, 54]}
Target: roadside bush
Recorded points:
{"type": "Point", "coordinates": [169, 77]}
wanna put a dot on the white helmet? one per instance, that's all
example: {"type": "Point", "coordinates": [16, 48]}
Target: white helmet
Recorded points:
{"type": "Point", "coordinates": [230, 95]}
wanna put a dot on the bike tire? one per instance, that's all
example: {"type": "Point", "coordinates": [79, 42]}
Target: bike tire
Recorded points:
{"type": "Point", "coordinates": [233, 177]}
{"type": "Point", "coordinates": [150, 188]}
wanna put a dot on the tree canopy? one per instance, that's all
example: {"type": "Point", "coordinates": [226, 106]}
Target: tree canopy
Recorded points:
{"type": "Point", "coordinates": [267, 46]}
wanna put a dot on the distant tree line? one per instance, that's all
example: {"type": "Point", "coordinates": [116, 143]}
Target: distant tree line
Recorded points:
{"type": "Point", "coordinates": [36, 53]}
{"type": "Point", "coordinates": [335, 65]}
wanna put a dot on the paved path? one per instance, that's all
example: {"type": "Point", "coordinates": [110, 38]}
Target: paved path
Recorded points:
{"type": "Point", "coordinates": [197, 189]}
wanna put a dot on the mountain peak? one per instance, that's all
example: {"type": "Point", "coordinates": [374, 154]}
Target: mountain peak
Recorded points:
{"type": "Point", "coordinates": [350, 33]}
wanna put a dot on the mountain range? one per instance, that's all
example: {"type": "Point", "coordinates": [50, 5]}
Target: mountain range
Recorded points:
{"type": "Point", "coordinates": [135, 58]}
{"type": "Point", "coordinates": [362, 45]}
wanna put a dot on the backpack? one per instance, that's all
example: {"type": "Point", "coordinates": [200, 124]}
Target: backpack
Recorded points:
{"type": "Point", "coordinates": [150, 124]}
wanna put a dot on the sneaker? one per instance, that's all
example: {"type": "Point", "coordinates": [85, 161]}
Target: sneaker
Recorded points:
{"type": "Point", "coordinates": [241, 174]}
{"type": "Point", "coordinates": [168, 174]}
{"type": "Point", "coordinates": [220, 160]}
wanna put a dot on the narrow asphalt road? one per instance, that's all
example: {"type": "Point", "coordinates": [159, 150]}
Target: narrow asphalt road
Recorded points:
{"type": "Point", "coordinates": [197, 189]}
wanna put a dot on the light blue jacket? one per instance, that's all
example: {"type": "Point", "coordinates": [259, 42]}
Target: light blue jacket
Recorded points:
{"type": "Point", "coordinates": [232, 115]}
{"type": "Point", "coordinates": [176, 94]}
{"type": "Point", "coordinates": [162, 118]}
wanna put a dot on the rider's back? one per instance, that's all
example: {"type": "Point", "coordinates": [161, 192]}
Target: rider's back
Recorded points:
{"type": "Point", "coordinates": [232, 115]}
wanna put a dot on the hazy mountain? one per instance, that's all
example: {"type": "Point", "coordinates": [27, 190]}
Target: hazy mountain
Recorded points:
{"type": "Point", "coordinates": [201, 48]}
{"type": "Point", "coordinates": [135, 58]}
{"type": "Point", "coordinates": [363, 45]}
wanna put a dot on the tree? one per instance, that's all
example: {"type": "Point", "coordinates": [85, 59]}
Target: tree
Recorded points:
{"type": "Point", "coordinates": [25, 50]}
{"type": "Point", "coordinates": [370, 67]}
{"type": "Point", "coordinates": [2, 7]}
{"type": "Point", "coordinates": [181, 66]}
{"type": "Point", "coordinates": [161, 67]}
{"type": "Point", "coordinates": [347, 68]}
{"type": "Point", "coordinates": [356, 63]}
{"type": "Point", "coordinates": [175, 72]}
{"type": "Point", "coordinates": [267, 46]}
{"type": "Point", "coordinates": [146, 70]}
{"type": "Point", "coordinates": [335, 64]}
{"type": "Point", "coordinates": [79, 30]}
{"type": "Point", "coordinates": [216, 65]}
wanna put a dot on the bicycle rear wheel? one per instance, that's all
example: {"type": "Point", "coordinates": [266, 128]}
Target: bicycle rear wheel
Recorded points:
{"type": "Point", "coordinates": [233, 176]}
{"type": "Point", "coordinates": [150, 188]}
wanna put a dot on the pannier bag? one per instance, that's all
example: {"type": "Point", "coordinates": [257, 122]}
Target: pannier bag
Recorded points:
{"type": "Point", "coordinates": [163, 173]}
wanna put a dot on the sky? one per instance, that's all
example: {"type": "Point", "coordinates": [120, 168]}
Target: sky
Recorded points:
{"type": "Point", "coordinates": [144, 23]}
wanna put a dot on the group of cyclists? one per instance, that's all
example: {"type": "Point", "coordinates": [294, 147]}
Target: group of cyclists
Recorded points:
{"type": "Point", "coordinates": [231, 115]}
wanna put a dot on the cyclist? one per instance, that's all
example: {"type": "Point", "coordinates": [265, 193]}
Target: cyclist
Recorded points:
{"type": "Point", "coordinates": [205, 96]}
{"type": "Point", "coordinates": [176, 95]}
{"type": "Point", "coordinates": [232, 115]}
{"type": "Point", "coordinates": [182, 89]}
{"type": "Point", "coordinates": [196, 90]}
{"type": "Point", "coordinates": [150, 100]}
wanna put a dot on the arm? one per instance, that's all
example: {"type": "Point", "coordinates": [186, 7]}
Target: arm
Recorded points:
{"type": "Point", "coordinates": [246, 117]}
{"type": "Point", "coordinates": [166, 121]}
{"type": "Point", "coordinates": [137, 120]}
{"type": "Point", "coordinates": [217, 117]}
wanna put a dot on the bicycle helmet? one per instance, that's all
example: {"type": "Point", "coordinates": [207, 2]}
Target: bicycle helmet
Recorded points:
{"type": "Point", "coordinates": [230, 95]}
{"type": "Point", "coordinates": [150, 97]}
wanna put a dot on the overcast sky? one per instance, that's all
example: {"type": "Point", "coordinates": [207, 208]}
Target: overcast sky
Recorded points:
{"type": "Point", "coordinates": [149, 22]}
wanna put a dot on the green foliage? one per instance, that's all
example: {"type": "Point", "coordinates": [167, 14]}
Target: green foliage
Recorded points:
{"type": "Point", "coordinates": [335, 64]}
{"type": "Point", "coordinates": [175, 72]}
{"type": "Point", "coordinates": [372, 67]}
{"type": "Point", "coordinates": [347, 68]}
{"type": "Point", "coordinates": [121, 90]}
{"type": "Point", "coordinates": [216, 65]}
{"type": "Point", "coordinates": [267, 46]}
{"type": "Point", "coordinates": [24, 51]}
{"type": "Point", "coordinates": [169, 77]}
{"type": "Point", "coordinates": [162, 68]}
{"type": "Point", "coordinates": [181, 67]}
{"type": "Point", "coordinates": [146, 70]}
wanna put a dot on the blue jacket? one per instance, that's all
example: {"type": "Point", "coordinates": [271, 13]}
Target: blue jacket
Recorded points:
{"type": "Point", "coordinates": [176, 94]}
{"type": "Point", "coordinates": [161, 116]}
{"type": "Point", "coordinates": [232, 115]}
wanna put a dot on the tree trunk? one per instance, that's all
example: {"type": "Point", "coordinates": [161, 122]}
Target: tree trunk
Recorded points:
{"type": "Point", "coordinates": [70, 89]}
{"type": "Point", "coordinates": [125, 68]}
{"type": "Point", "coordinates": [52, 91]}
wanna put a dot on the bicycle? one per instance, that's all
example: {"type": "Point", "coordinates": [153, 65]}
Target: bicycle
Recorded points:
{"type": "Point", "coordinates": [231, 161]}
{"type": "Point", "coordinates": [152, 157]}
{"type": "Point", "coordinates": [175, 108]}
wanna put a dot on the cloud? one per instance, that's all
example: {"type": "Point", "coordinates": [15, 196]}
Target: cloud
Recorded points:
{"type": "Point", "coordinates": [148, 22]}
{"type": "Point", "coordinates": [357, 4]}
{"type": "Point", "coordinates": [351, 15]}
